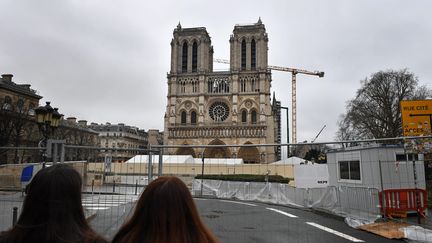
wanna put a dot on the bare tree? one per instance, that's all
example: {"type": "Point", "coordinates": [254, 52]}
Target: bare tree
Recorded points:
{"type": "Point", "coordinates": [375, 111]}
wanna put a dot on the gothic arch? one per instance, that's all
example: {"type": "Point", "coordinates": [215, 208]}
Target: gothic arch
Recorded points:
{"type": "Point", "coordinates": [184, 56]}
{"type": "Point", "coordinates": [243, 115]}
{"type": "Point", "coordinates": [194, 56]}
{"type": "Point", "coordinates": [250, 155]}
{"type": "Point", "coordinates": [217, 152]}
{"type": "Point", "coordinates": [243, 54]}
{"type": "Point", "coordinates": [183, 116]}
{"type": "Point", "coordinates": [188, 105]}
{"type": "Point", "coordinates": [186, 151]}
{"type": "Point", "coordinates": [243, 105]}
{"type": "Point", "coordinates": [253, 116]}
{"type": "Point", "coordinates": [193, 117]}
{"type": "Point", "coordinates": [253, 54]}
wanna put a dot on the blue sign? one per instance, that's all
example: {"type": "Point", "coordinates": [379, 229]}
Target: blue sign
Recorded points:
{"type": "Point", "coordinates": [27, 173]}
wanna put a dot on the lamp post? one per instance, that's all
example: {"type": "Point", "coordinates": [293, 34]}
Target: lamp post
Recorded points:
{"type": "Point", "coordinates": [287, 122]}
{"type": "Point", "coordinates": [48, 119]}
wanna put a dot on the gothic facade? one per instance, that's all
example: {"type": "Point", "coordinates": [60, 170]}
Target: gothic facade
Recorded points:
{"type": "Point", "coordinates": [233, 107]}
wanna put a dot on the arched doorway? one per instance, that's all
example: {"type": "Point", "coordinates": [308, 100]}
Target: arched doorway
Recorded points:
{"type": "Point", "coordinates": [218, 152]}
{"type": "Point", "coordinates": [250, 155]}
{"type": "Point", "coordinates": [186, 151]}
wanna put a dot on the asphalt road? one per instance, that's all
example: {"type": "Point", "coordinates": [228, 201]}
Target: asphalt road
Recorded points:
{"type": "Point", "coordinates": [231, 221]}
{"type": "Point", "coordinates": [238, 222]}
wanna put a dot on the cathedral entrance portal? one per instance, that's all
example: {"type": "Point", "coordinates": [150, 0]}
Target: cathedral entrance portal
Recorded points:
{"type": "Point", "coordinates": [218, 152]}
{"type": "Point", "coordinates": [185, 151]}
{"type": "Point", "coordinates": [250, 155]}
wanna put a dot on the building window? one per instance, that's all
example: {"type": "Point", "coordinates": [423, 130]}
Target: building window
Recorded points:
{"type": "Point", "coordinates": [31, 111]}
{"type": "Point", "coordinates": [253, 117]}
{"type": "Point", "coordinates": [242, 85]}
{"type": "Point", "coordinates": [195, 86]}
{"type": "Point", "coordinates": [253, 85]}
{"type": "Point", "coordinates": [20, 105]}
{"type": "Point", "coordinates": [253, 55]}
{"type": "Point", "coordinates": [243, 55]}
{"type": "Point", "coordinates": [193, 117]}
{"type": "Point", "coordinates": [194, 57]}
{"type": "Point", "coordinates": [182, 87]}
{"type": "Point", "coordinates": [218, 85]}
{"type": "Point", "coordinates": [349, 170]}
{"type": "Point", "coordinates": [406, 157]}
{"type": "Point", "coordinates": [219, 111]}
{"type": "Point", "coordinates": [244, 116]}
{"type": "Point", "coordinates": [183, 117]}
{"type": "Point", "coordinates": [184, 57]}
{"type": "Point", "coordinates": [7, 105]}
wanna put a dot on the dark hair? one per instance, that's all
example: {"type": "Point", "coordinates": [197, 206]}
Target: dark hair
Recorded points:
{"type": "Point", "coordinates": [52, 210]}
{"type": "Point", "coordinates": [165, 213]}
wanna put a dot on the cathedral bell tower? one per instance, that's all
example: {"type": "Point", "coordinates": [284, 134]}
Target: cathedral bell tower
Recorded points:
{"type": "Point", "coordinates": [191, 50]}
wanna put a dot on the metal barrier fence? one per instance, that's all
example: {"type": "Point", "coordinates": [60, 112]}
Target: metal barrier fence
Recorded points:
{"type": "Point", "coordinates": [342, 178]}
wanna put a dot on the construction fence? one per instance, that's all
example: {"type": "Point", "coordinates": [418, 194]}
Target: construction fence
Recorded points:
{"type": "Point", "coordinates": [364, 180]}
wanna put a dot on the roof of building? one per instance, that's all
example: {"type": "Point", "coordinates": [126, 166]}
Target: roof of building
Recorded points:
{"type": "Point", "coordinates": [121, 127]}
{"type": "Point", "coordinates": [291, 161]}
{"type": "Point", "coordinates": [25, 89]}
{"type": "Point", "coordinates": [366, 146]}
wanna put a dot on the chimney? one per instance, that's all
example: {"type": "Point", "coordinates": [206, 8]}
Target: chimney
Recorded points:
{"type": "Point", "coordinates": [71, 120]}
{"type": "Point", "coordinates": [82, 123]}
{"type": "Point", "coordinates": [7, 77]}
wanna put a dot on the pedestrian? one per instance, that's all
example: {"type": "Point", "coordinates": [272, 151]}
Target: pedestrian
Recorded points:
{"type": "Point", "coordinates": [52, 211]}
{"type": "Point", "coordinates": [165, 213]}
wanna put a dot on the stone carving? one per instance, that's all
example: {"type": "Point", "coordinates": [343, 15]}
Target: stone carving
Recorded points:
{"type": "Point", "coordinates": [248, 104]}
{"type": "Point", "coordinates": [188, 105]}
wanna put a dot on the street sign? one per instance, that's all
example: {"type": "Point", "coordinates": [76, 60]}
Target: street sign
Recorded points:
{"type": "Point", "coordinates": [416, 121]}
{"type": "Point", "coordinates": [416, 117]}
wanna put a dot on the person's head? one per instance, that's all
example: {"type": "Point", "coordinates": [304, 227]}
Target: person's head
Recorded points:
{"type": "Point", "coordinates": [165, 213]}
{"type": "Point", "coordinates": [52, 209]}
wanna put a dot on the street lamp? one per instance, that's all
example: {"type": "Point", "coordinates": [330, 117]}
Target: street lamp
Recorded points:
{"type": "Point", "coordinates": [287, 121]}
{"type": "Point", "coordinates": [48, 119]}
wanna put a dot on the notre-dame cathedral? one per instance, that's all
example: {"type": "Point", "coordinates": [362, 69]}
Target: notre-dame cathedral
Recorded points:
{"type": "Point", "coordinates": [225, 107]}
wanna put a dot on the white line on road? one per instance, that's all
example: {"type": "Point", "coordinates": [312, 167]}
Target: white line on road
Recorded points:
{"type": "Point", "coordinates": [334, 232]}
{"type": "Point", "coordinates": [247, 204]}
{"type": "Point", "coordinates": [96, 208]}
{"type": "Point", "coordinates": [282, 212]}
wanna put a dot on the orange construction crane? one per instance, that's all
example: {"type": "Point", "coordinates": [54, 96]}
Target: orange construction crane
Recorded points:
{"type": "Point", "coordinates": [294, 72]}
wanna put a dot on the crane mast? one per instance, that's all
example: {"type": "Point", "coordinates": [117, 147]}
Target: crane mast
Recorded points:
{"type": "Point", "coordinates": [294, 72]}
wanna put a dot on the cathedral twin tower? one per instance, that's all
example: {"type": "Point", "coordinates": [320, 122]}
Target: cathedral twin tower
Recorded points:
{"type": "Point", "coordinates": [225, 107]}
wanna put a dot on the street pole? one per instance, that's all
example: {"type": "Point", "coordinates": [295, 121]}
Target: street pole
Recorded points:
{"type": "Point", "coordinates": [287, 124]}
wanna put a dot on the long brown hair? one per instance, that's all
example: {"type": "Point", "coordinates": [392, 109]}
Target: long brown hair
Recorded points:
{"type": "Point", "coordinates": [52, 210]}
{"type": "Point", "coordinates": [165, 213]}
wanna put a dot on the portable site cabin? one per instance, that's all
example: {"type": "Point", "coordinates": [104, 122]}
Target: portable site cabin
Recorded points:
{"type": "Point", "coordinates": [376, 166]}
{"type": "Point", "coordinates": [306, 173]}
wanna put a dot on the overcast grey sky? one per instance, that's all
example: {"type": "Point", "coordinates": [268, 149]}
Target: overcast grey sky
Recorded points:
{"type": "Point", "coordinates": [106, 61]}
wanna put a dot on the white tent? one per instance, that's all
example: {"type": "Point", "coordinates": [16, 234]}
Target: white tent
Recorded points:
{"type": "Point", "coordinates": [220, 161]}
{"type": "Point", "coordinates": [166, 159]}
{"type": "Point", "coordinates": [292, 161]}
{"type": "Point", "coordinates": [184, 159]}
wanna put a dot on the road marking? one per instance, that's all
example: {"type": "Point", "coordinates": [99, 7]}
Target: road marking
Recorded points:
{"type": "Point", "coordinates": [282, 212]}
{"type": "Point", "coordinates": [106, 202]}
{"type": "Point", "coordinates": [247, 204]}
{"type": "Point", "coordinates": [202, 199]}
{"type": "Point", "coordinates": [96, 208]}
{"type": "Point", "coordinates": [334, 232]}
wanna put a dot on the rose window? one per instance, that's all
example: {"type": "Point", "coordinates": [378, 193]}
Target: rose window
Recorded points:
{"type": "Point", "coordinates": [219, 111]}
